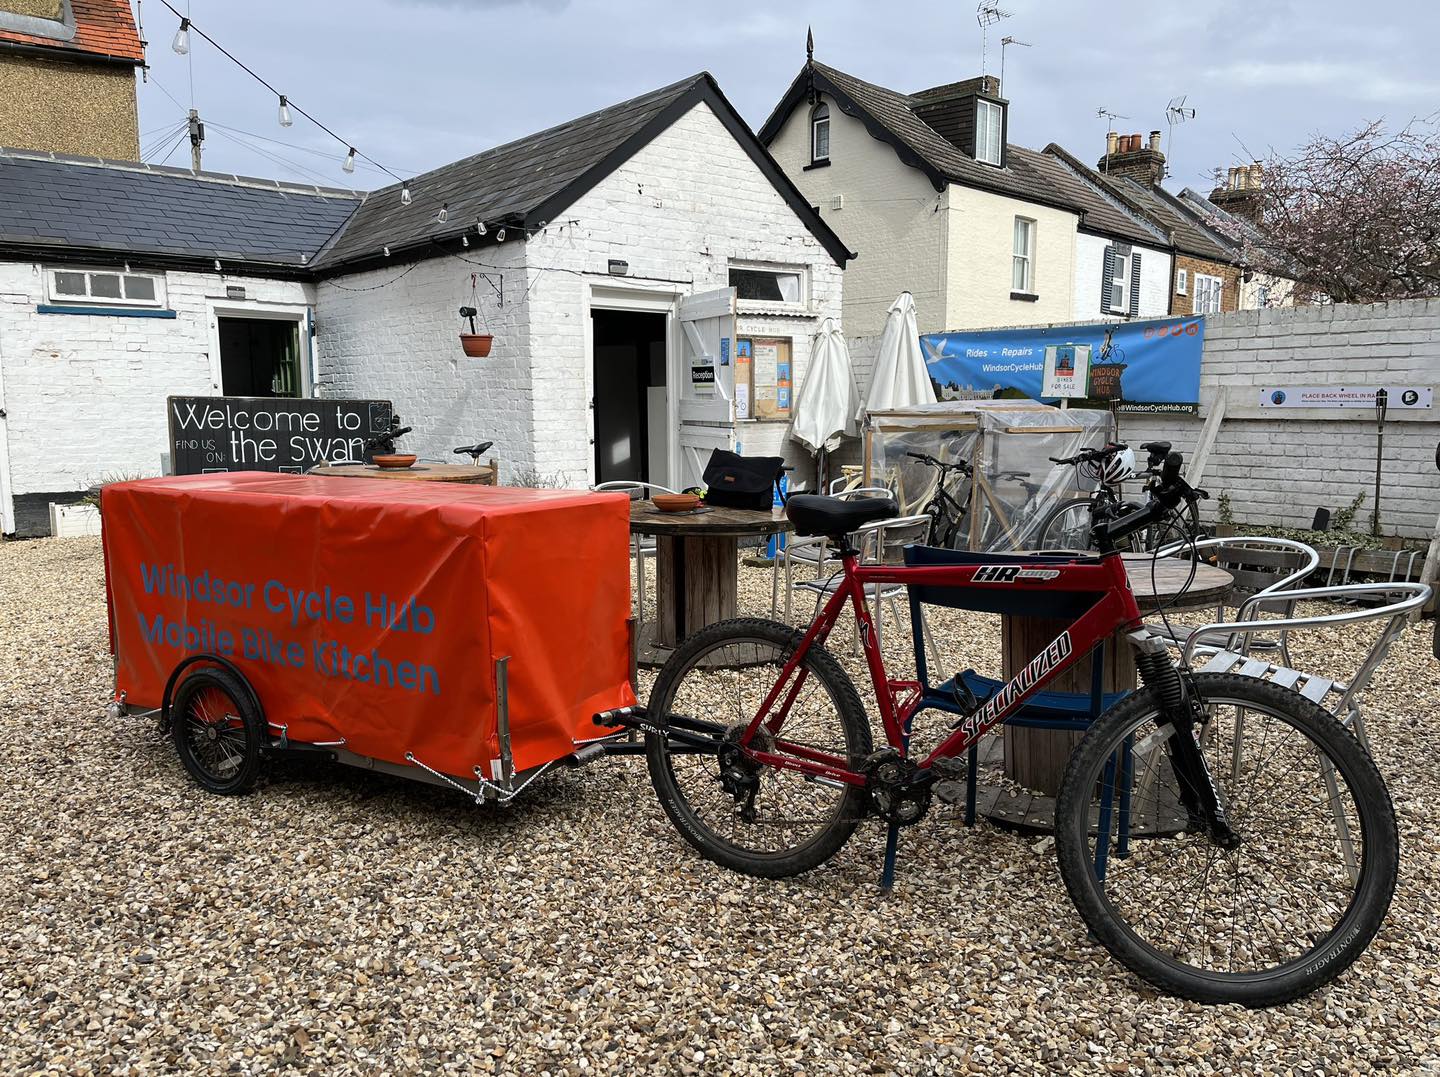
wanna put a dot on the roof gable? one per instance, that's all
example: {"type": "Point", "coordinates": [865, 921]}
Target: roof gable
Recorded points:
{"type": "Point", "coordinates": [528, 182]}
{"type": "Point", "coordinates": [57, 206]}
{"type": "Point", "coordinates": [889, 116]}
{"type": "Point", "coordinates": [1105, 213]}
{"type": "Point", "coordinates": [86, 29]}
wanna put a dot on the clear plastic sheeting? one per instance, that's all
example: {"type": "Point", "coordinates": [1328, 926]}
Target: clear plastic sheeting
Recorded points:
{"type": "Point", "coordinates": [1003, 485]}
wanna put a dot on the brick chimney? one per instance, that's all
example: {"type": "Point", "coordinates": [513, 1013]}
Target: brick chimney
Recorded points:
{"type": "Point", "coordinates": [1129, 155]}
{"type": "Point", "coordinates": [950, 109]}
{"type": "Point", "coordinates": [1242, 192]}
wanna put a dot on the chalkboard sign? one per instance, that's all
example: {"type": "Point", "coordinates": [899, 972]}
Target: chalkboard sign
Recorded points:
{"type": "Point", "coordinates": [261, 433]}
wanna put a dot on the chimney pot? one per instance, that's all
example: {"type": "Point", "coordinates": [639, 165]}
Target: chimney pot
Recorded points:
{"type": "Point", "coordinates": [1112, 143]}
{"type": "Point", "coordinates": [1155, 140]}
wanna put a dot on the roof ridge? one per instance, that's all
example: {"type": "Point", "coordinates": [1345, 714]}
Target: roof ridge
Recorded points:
{"type": "Point", "coordinates": [227, 179]}
{"type": "Point", "coordinates": [1092, 178]}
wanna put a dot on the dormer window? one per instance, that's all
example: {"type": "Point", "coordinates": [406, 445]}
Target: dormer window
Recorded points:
{"type": "Point", "coordinates": [820, 133]}
{"type": "Point", "coordinates": [989, 127]}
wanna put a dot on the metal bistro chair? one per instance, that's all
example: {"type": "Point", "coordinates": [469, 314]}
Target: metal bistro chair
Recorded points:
{"type": "Point", "coordinates": [641, 546]}
{"type": "Point", "coordinates": [1261, 566]}
{"type": "Point", "coordinates": [1399, 600]}
{"type": "Point", "coordinates": [883, 542]}
{"type": "Point", "coordinates": [810, 550]}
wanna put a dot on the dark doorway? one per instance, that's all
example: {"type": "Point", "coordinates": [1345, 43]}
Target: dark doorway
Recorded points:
{"type": "Point", "coordinates": [629, 368]}
{"type": "Point", "coordinates": [260, 357]}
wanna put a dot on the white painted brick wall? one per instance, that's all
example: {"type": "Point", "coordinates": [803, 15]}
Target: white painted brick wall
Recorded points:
{"type": "Point", "coordinates": [1278, 467]}
{"type": "Point", "coordinates": [394, 334]}
{"type": "Point", "coordinates": [1090, 273]}
{"type": "Point", "coordinates": [85, 394]}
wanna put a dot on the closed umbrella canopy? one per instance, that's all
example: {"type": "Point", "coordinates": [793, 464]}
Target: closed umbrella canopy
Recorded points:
{"type": "Point", "coordinates": [828, 403]}
{"type": "Point", "coordinates": [900, 379]}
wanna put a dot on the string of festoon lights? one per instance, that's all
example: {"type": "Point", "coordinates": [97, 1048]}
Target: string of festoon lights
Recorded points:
{"type": "Point", "coordinates": [287, 108]}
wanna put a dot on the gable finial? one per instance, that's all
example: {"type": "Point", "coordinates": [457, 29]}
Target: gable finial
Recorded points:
{"type": "Point", "coordinates": [809, 45]}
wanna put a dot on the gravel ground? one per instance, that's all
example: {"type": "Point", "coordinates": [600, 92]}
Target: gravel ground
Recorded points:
{"type": "Point", "coordinates": [340, 922]}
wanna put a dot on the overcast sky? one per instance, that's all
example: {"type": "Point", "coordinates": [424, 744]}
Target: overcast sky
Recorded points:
{"type": "Point", "coordinates": [418, 83]}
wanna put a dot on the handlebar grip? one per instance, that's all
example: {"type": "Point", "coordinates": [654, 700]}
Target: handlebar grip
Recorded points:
{"type": "Point", "coordinates": [917, 456]}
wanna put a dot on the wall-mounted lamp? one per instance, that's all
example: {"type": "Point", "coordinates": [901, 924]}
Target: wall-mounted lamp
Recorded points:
{"type": "Point", "coordinates": [619, 267]}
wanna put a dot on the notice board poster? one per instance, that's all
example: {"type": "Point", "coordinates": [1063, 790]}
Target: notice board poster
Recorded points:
{"type": "Point", "coordinates": [259, 433]}
{"type": "Point", "coordinates": [770, 377]}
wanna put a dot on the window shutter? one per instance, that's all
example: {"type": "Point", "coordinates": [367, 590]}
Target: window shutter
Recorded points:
{"type": "Point", "coordinates": [1107, 281]}
{"type": "Point", "coordinates": [1135, 284]}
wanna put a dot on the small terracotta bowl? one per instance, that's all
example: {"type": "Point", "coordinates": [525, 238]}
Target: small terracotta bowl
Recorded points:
{"type": "Point", "coordinates": [395, 461]}
{"type": "Point", "coordinates": [675, 502]}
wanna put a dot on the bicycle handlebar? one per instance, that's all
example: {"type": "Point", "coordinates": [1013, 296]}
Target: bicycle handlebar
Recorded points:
{"type": "Point", "coordinates": [1165, 497]}
{"type": "Point", "coordinates": [930, 461]}
{"type": "Point", "coordinates": [1085, 456]}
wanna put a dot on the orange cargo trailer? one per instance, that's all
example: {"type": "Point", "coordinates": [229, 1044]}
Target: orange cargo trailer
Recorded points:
{"type": "Point", "coordinates": [459, 634]}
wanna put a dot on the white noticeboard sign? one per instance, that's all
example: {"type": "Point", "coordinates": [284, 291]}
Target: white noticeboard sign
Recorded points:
{"type": "Point", "coordinates": [1397, 397]}
{"type": "Point", "coordinates": [1067, 371]}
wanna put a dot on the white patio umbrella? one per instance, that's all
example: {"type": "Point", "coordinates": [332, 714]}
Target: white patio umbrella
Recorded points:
{"type": "Point", "coordinates": [828, 404]}
{"type": "Point", "coordinates": [900, 377]}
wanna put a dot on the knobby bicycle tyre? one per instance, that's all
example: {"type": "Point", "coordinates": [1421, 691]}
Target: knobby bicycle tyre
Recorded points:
{"type": "Point", "coordinates": [681, 802]}
{"type": "Point", "coordinates": [1318, 734]}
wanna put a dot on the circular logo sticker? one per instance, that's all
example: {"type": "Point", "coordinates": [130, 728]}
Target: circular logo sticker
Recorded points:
{"type": "Point", "coordinates": [1278, 396]}
{"type": "Point", "coordinates": [1409, 398]}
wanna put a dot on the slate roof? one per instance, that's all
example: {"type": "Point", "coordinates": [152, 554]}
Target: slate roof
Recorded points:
{"type": "Point", "coordinates": [533, 179]}
{"type": "Point", "coordinates": [888, 114]}
{"type": "Point", "coordinates": [1102, 213]}
{"type": "Point", "coordinates": [79, 205]}
{"type": "Point", "coordinates": [102, 28]}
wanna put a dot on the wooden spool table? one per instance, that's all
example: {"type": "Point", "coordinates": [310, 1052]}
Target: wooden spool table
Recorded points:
{"type": "Point", "coordinates": [1035, 758]}
{"type": "Point", "coordinates": [696, 569]}
{"type": "Point", "coordinates": [482, 475]}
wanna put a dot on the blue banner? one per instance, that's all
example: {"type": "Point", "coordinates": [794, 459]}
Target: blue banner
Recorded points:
{"type": "Point", "coordinates": [1130, 363]}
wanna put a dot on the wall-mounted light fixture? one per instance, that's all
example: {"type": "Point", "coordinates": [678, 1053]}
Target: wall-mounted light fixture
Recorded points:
{"type": "Point", "coordinates": [619, 267]}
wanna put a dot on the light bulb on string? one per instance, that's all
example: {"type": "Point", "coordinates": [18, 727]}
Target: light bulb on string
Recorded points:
{"type": "Point", "coordinates": [285, 119]}
{"type": "Point", "coordinates": [181, 44]}
{"type": "Point", "coordinates": [405, 198]}
{"type": "Point", "coordinates": [480, 228]}
{"type": "Point", "coordinates": [500, 235]}
{"type": "Point", "coordinates": [465, 241]}
{"type": "Point", "coordinates": [444, 214]}
{"type": "Point", "coordinates": [349, 165]}
{"type": "Point", "coordinates": [387, 251]}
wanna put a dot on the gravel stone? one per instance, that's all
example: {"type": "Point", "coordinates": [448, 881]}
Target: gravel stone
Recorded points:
{"type": "Point", "coordinates": [342, 922]}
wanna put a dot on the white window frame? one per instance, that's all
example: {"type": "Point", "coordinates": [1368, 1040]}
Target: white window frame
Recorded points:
{"type": "Point", "coordinates": [986, 153]}
{"type": "Point", "coordinates": [91, 300]}
{"type": "Point", "coordinates": [1182, 282]}
{"type": "Point", "coordinates": [818, 119]}
{"type": "Point", "coordinates": [1209, 291]}
{"type": "Point", "coordinates": [1124, 264]}
{"type": "Point", "coordinates": [1025, 258]}
{"type": "Point", "coordinates": [783, 306]}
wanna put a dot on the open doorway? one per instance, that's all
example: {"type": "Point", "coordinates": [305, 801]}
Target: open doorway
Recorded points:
{"type": "Point", "coordinates": [630, 409]}
{"type": "Point", "coordinates": [260, 357]}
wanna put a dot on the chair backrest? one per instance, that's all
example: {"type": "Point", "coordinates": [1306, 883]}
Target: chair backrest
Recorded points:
{"type": "Point", "coordinates": [884, 541]}
{"type": "Point", "coordinates": [635, 489]}
{"type": "Point", "coordinates": [1259, 564]}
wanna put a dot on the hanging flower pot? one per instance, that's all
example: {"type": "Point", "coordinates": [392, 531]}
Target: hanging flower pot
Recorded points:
{"type": "Point", "coordinates": [476, 345]}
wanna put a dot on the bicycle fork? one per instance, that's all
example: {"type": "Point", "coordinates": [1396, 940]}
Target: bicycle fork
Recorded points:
{"type": "Point", "coordinates": [1178, 710]}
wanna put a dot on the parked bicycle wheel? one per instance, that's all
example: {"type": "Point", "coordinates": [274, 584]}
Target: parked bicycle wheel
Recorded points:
{"type": "Point", "coordinates": [1067, 526]}
{"type": "Point", "coordinates": [217, 732]}
{"type": "Point", "coordinates": [1290, 906]}
{"type": "Point", "coordinates": [737, 812]}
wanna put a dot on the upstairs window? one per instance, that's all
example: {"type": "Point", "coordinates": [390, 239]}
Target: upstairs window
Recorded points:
{"type": "Point", "coordinates": [1182, 282]}
{"type": "Point", "coordinates": [1207, 294]}
{"type": "Point", "coordinates": [1120, 290]}
{"type": "Point", "coordinates": [768, 285]}
{"type": "Point", "coordinates": [820, 133]}
{"type": "Point", "coordinates": [1022, 265]}
{"type": "Point", "coordinates": [107, 288]}
{"type": "Point", "coordinates": [988, 123]}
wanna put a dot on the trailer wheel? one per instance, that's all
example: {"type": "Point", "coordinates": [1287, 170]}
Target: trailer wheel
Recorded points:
{"type": "Point", "coordinates": [218, 732]}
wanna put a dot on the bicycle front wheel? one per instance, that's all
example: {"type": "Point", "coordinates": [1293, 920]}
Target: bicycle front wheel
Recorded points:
{"type": "Point", "coordinates": [1067, 526]}
{"type": "Point", "coordinates": [1285, 910]}
{"type": "Point", "coordinates": [750, 817]}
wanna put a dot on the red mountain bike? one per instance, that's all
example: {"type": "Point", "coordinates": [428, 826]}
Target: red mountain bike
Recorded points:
{"type": "Point", "coordinates": [1222, 836]}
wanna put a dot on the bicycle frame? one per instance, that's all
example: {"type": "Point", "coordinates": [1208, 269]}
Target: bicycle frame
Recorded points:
{"type": "Point", "coordinates": [899, 700]}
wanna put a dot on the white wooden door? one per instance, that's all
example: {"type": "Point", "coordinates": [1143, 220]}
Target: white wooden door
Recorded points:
{"type": "Point", "coordinates": [707, 381]}
{"type": "Point", "coordinates": [7, 500]}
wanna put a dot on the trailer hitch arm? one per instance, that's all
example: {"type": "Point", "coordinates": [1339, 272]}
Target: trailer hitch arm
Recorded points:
{"type": "Point", "coordinates": [678, 729]}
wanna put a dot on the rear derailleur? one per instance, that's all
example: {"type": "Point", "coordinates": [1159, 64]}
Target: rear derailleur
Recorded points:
{"type": "Point", "coordinates": [898, 790]}
{"type": "Point", "coordinates": [739, 773]}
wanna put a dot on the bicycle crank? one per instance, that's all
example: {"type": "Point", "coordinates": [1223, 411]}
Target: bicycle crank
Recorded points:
{"type": "Point", "coordinates": [899, 792]}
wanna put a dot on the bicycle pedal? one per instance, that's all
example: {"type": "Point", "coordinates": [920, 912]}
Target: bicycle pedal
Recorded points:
{"type": "Point", "coordinates": [949, 791]}
{"type": "Point", "coordinates": [950, 768]}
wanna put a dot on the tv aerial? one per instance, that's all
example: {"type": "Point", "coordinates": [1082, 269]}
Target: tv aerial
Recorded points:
{"type": "Point", "coordinates": [1175, 113]}
{"type": "Point", "coordinates": [1006, 42]}
{"type": "Point", "coordinates": [987, 14]}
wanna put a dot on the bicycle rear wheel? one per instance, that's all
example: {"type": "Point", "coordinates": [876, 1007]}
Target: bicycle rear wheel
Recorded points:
{"type": "Point", "coordinates": [1284, 911]}
{"type": "Point", "coordinates": [747, 816]}
{"type": "Point", "coordinates": [1067, 526]}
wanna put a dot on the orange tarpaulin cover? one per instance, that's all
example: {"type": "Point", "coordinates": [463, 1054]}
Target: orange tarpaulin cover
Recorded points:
{"type": "Point", "coordinates": [374, 611]}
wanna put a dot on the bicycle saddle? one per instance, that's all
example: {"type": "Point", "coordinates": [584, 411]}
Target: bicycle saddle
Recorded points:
{"type": "Point", "coordinates": [473, 451]}
{"type": "Point", "coordinates": [1157, 448]}
{"type": "Point", "coordinates": [814, 514]}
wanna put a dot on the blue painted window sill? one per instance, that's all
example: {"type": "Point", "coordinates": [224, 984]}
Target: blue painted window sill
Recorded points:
{"type": "Point", "coordinates": [109, 312]}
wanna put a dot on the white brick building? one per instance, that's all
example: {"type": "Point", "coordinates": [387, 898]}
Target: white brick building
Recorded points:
{"type": "Point", "coordinates": [627, 264]}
